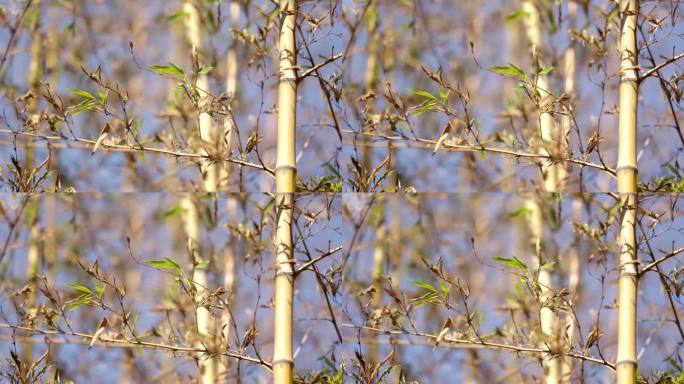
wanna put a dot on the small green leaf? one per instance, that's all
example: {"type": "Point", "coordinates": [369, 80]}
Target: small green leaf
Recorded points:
{"type": "Point", "coordinates": [205, 70]}
{"type": "Point", "coordinates": [81, 300]}
{"type": "Point", "coordinates": [202, 265]}
{"type": "Point", "coordinates": [546, 70]}
{"type": "Point", "coordinates": [173, 211]}
{"type": "Point", "coordinates": [518, 212]}
{"type": "Point", "coordinates": [444, 96]}
{"type": "Point", "coordinates": [82, 93]}
{"type": "Point", "coordinates": [512, 262]}
{"type": "Point", "coordinates": [548, 265]}
{"type": "Point", "coordinates": [102, 96]}
{"type": "Point", "coordinates": [422, 93]}
{"type": "Point", "coordinates": [511, 71]}
{"type": "Point", "coordinates": [167, 263]}
{"type": "Point", "coordinates": [516, 15]}
{"type": "Point", "coordinates": [79, 287]}
{"type": "Point", "coordinates": [424, 285]}
{"type": "Point", "coordinates": [168, 69]}
{"type": "Point", "coordinates": [176, 15]}
{"type": "Point", "coordinates": [444, 288]}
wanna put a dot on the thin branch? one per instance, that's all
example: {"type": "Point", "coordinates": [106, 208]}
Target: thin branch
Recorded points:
{"type": "Point", "coordinates": [128, 148]}
{"type": "Point", "coordinates": [447, 342]}
{"type": "Point", "coordinates": [652, 71]}
{"type": "Point", "coordinates": [315, 260]}
{"type": "Point", "coordinates": [85, 338]}
{"type": "Point", "coordinates": [660, 260]}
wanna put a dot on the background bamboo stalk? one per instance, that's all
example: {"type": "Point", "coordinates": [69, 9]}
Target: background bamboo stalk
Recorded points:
{"type": "Point", "coordinates": [573, 262]}
{"type": "Point", "coordinates": [283, 363]}
{"type": "Point", "coordinates": [207, 365]}
{"type": "Point", "coordinates": [33, 254]}
{"type": "Point", "coordinates": [379, 257]}
{"type": "Point", "coordinates": [191, 227]}
{"type": "Point", "coordinates": [231, 208]}
{"type": "Point", "coordinates": [551, 174]}
{"type": "Point", "coordinates": [371, 77]}
{"type": "Point", "coordinates": [626, 363]}
{"type": "Point", "coordinates": [193, 26]}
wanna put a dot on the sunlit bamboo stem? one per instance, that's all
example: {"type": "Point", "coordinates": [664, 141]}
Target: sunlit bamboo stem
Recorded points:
{"type": "Point", "coordinates": [207, 365]}
{"type": "Point", "coordinates": [573, 264]}
{"type": "Point", "coordinates": [379, 257]}
{"type": "Point", "coordinates": [371, 76]}
{"type": "Point", "coordinates": [193, 26]}
{"type": "Point", "coordinates": [283, 363]}
{"type": "Point", "coordinates": [33, 254]}
{"type": "Point", "coordinates": [199, 277]}
{"type": "Point", "coordinates": [551, 174]}
{"type": "Point", "coordinates": [231, 209]}
{"type": "Point", "coordinates": [626, 364]}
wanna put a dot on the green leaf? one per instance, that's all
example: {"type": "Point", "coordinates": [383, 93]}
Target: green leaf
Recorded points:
{"type": "Point", "coordinates": [82, 93]}
{"type": "Point", "coordinates": [519, 14]}
{"type": "Point", "coordinates": [424, 285]}
{"type": "Point", "coordinates": [81, 300]}
{"type": "Point", "coordinates": [548, 265]}
{"type": "Point", "coordinates": [100, 290]}
{"type": "Point", "coordinates": [422, 93]}
{"type": "Point", "coordinates": [102, 96]}
{"type": "Point", "coordinates": [205, 70]}
{"type": "Point", "coordinates": [168, 69]}
{"type": "Point", "coordinates": [518, 212]}
{"type": "Point", "coordinates": [511, 71]}
{"type": "Point", "coordinates": [202, 265]}
{"type": "Point", "coordinates": [546, 70]}
{"type": "Point", "coordinates": [86, 105]}
{"type": "Point", "coordinates": [444, 288]}
{"type": "Point", "coordinates": [173, 211]}
{"type": "Point", "coordinates": [176, 15]}
{"type": "Point", "coordinates": [444, 96]}
{"type": "Point", "coordinates": [79, 287]}
{"type": "Point", "coordinates": [167, 264]}
{"type": "Point", "coordinates": [512, 262]}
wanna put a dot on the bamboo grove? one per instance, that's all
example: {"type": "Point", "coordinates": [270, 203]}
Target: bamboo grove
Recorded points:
{"type": "Point", "coordinates": [341, 191]}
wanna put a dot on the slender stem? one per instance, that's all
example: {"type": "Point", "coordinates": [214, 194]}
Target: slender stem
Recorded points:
{"type": "Point", "coordinates": [208, 366]}
{"type": "Point", "coordinates": [551, 175]}
{"type": "Point", "coordinates": [626, 364]}
{"type": "Point", "coordinates": [283, 360]}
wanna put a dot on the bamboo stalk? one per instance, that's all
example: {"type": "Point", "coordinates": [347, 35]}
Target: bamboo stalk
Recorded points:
{"type": "Point", "coordinates": [283, 362]}
{"type": "Point", "coordinates": [33, 254]}
{"type": "Point", "coordinates": [551, 174]}
{"type": "Point", "coordinates": [231, 208]}
{"type": "Point", "coordinates": [626, 364]}
{"type": "Point", "coordinates": [573, 266]}
{"type": "Point", "coordinates": [210, 172]}
{"type": "Point", "coordinates": [378, 267]}
{"type": "Point", "coordinates": [371, 76]}
{"type": "Point", "coordinates": [208, 366]}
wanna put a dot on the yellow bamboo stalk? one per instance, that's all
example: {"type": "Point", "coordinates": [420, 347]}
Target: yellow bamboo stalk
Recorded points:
{"type": "Point", "coordinates": [378, 267]}
{"type": "Point", "coordinates": [551, 174]}
{"type": "Point", "coordinates": [626, 364]}
{"type": "Point", "coordinates": [228, 131]}
{"type": "Point", "coordinates": [208, 366]}
{"type": "Point", "coordinates": [231, 90]}
{"type": "Point", "coordinates": [574, 255]}
{"type": "Point", "coordinates": [210, 172]}
{"type": "Point", "coordinates": [33, 254]}
{"type": "Point", "coordinates": [191, 227]}
{"type": "Point", "coordinates": [371, 75]}
{"type": "Point", "coordinates": [286, 168]}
